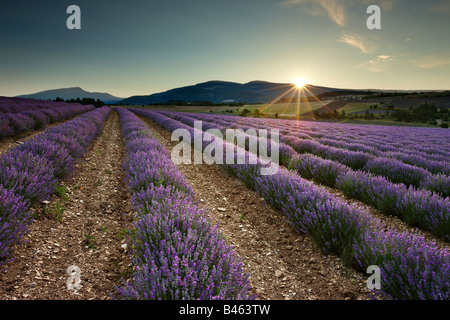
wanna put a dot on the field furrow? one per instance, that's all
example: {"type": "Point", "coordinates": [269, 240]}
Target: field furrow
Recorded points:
{"type": "Point", "coordinates": [82, 225]}
{"type": "Point", "coordinates": [417, 208]}
{"type": "Point", "coordinates": [347, 231]}
{"type": "Point", "coordinates": [282, 264]}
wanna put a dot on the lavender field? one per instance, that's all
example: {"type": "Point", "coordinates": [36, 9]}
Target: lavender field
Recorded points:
{"type": "Point", "coordinates": [362, 195]}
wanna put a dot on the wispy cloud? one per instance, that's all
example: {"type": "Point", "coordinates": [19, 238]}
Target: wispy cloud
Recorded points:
{"type": "Point", "coordinates": [442, 7]}
{"type": "Point", "coordinates": [379, 64]}
{"type": "Point", "coordinates": [336, 9]}
{"type": "Point", "coordinates": [431, 61]}
{"type": "Point", "coordinates": [357, 42]}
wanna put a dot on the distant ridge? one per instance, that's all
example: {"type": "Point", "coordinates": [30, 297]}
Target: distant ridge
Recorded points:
{"type": "Point", "coordinates": [71, 93]}
{"type": "Point", "coordinates": [223, 91]}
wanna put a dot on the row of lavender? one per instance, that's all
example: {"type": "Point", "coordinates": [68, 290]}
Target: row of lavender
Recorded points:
{"type": "Point", "coordinates": [12, 124]}
{"type": "Point", "coordinates": [29, 172]}
{"type": "Point", "coordinates": [405, 148]}
{"type": "Point", "coordinates": [177, 252]}
{"type": "Point", "coordinates": [394, 170]}
{"type": "Point", "coordinates": [411, 267]}
{"type": "Point", "coordinates": [418, 208]}
{"type": "Point", "coordinates": [17, 105]}
{"type": "Point", "coordinates": [426, 141]}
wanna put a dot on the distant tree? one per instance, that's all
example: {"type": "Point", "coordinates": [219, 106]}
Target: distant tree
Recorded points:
{"type": "Point", "coordinates": [444, 125]}
{"type": "Point", "coordinates": [369, 115]}
{"type": "Point", "coordinates": [245, 113]}
{"type": "Point", "coordinates": [317, 114]}
{"type": "Point", "coordinates": [257, 113]}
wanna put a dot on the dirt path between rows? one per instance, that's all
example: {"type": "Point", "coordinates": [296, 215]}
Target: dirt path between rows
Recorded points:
{"type": "Point", "coordinates": [283, 264]}
{"type": "Point", "coordinates": [83, 228]}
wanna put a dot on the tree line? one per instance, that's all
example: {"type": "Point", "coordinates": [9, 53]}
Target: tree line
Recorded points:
{"type": "Point", "coordinates": [85, 101]}
{"type": "Point", "coordinates": [424, 113]}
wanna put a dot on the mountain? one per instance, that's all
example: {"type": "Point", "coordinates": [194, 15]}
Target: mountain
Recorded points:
{"type": "Point", "coordinates": [71, 93]}
{"type": "Point", "coordinates": [223, 91]}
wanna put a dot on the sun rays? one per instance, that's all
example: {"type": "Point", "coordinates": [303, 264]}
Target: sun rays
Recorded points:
{"type": "Point", "coordinates": [297, 99]}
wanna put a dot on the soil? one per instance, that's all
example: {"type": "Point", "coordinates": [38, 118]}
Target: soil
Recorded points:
{"type": "Point", "coordinates": [283, 264]}
{"type": "Point", "coordinates": [87, 234]}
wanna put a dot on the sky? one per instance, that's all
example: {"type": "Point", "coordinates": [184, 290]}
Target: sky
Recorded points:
{"type": "Point", "coordinates": [141, 47]}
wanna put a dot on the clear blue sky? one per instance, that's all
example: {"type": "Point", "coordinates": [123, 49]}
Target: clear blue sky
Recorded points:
{"type": "Point", "coordinates": [141, 47]}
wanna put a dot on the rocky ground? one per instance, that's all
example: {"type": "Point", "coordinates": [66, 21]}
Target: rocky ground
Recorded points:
{"type": "Point", "coordinates": [81, 226]}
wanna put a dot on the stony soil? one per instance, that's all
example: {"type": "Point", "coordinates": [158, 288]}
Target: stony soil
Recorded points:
{"type": "Point", "coordinates": [283, 264]}
{"type": "Point", "coordinates": [88, 233]}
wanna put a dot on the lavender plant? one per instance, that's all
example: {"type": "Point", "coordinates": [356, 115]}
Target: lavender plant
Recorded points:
{"type": "Point", "coordinates": [14, 217]}
{"type": "Point", "coordinates": [177, 252]}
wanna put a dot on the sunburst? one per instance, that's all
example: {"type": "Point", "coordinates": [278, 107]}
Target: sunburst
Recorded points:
{"type": "Point", "coordinates": [300, 82]}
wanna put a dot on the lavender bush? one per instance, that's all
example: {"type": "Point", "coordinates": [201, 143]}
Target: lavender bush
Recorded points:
{"type": "Point", "coordinates": [439, 183]}
{"type": "Point", "coordinates": [28, 118]}
{"type": "Point", "coordinates": [420, 208]}
{"type": "Point", "coordinates": [27, 175]}
{"type": "Point", "coordinates": [180, 256]}
{"type": "Point", "coordinates": [6, 129]}
{"type": "Point", "coordinates": [14, 217]}
{"type": "Point", "coordinates": [177, 252]}
{"type": "Point", "coordinates": [411, 267]}
{"type": "Point", "coordinates": [312, 167]}
{"type": "Point", "coordinates": [397, 171]}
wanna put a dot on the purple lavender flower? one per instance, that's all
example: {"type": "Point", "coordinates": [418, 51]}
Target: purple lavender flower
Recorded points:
{"type": "Point", "coordinates": [177, 253]}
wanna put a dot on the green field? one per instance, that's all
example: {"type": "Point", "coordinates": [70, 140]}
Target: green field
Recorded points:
{"type": "Point", "coordinates": [355, 107]}
{"type": "Point", "coordinates": [286, 109]}
{"type": "Point", "coordinates": [193, 109]}
{"type": "Point", "coordinates": [283, 109]}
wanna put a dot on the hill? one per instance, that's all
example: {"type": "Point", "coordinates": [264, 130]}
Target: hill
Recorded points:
{"type": "Point", "coordinates": [71, 93]}
{"type": "Point", "coordinates": [223, 91]}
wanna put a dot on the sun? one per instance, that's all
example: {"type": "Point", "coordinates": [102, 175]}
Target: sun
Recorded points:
{"type": "Point", "coordinates": [300, 82]}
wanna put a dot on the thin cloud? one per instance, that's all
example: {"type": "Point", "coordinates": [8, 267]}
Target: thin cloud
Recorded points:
{"type": "Point", "coordinates": [379, 64]}
{"type": "Point", "coordinates": [357, 42]}
{"type": "Point", "coordinates": [430, 62]}
{"type": "Point", "coordinates": [336, 9]}
{"type": "Point", "coordinates": [442, 7]}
